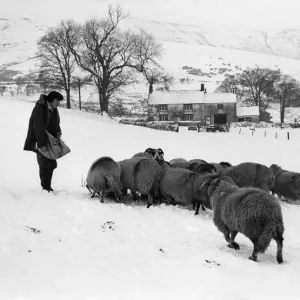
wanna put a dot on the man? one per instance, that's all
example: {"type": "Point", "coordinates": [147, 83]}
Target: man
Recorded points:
{"type": "Point", "coordinates": [44, 117]}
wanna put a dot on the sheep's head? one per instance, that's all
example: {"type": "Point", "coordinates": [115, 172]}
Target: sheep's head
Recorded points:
{"type": "Point", "coordinates": [225, 164]}
{"type": "Point", "coordinates": [210, 185]}
{"type": "Point", "coordinates": [275, 169]}
{"type": "Point", "coordinates": [156, 154]}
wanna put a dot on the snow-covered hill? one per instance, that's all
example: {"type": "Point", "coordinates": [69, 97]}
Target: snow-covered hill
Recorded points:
{"type": "Point", "coordinates": [69, 246]}
{"type": "Point", "coordinates": [209, 51]}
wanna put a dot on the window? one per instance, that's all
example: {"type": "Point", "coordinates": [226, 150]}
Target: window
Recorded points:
{"type": "Point", "coordinates": [188, 117]}
{"type": "Point", "coordinates": [240, 119]}
{"type": "Point", "coordinates": [248, 119]}
{"type": "Point", "coordinates": [162, 107]}
{"type": "Point", "coordinates": [220, 106]}
{"type": "Point", "coordinates": [187, 106]}
{"type": "Point", "coordinates": [207, 121]}
{"type": "Point", "coordinates": [163, 118]}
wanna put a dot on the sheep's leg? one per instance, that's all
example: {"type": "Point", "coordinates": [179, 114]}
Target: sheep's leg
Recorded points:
{"type": "Point", "coordinates": [101, 196]}
{"type": "Point", "coordinates": [93, 194]}
{"type": "Point", "coordinates": [150, 201]}
{"type": "Point", "coordinates": [279, 241]}
{"type": "Point", "coordinates": [254, 253]}
{"type": "Point", "coordinates": [233, 234]}
{"type": "Point", "coordinates": [134, 195]}
{"type": "Point", "coordinates": [203, 207]}
{"type": "Point", "coordinates": [195, 205]}
{"type": "Point", "coordinates": [231, 244]}
{"type": "Point", "coordinates": [117, 197]}
{"type": "Point", "coordinates": [124, 191]}
{"type": "Point", "coordinates": [144, 197]}
{"type": "Point", "coordinates": [89, 189]}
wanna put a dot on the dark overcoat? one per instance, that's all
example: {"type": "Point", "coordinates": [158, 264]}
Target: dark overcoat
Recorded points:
{"type": "Point", "coordinates": [41, 119]}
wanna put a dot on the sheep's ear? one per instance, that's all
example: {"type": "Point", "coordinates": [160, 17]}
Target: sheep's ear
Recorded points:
{"type": "Point", "coordinates": [205, 184]}
{"type": "Point", "coordinates": [160, 151]}
{"type": "Point", "coordinates": [149, 150]}
{"type": "Point", "coordinates": [213, 187]}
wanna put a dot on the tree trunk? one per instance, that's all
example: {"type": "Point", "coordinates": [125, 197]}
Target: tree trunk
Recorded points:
{"type": "Point", "coordinates": [79, 91]}
{"type": "Point", "coordinates": [105, 104]}
{"type": "Point", "coordinates": [68, 98]}
{"type": "Point", "coordinates": [282, 111]}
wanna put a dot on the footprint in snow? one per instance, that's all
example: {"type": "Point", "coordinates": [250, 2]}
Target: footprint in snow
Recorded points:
{"type": "Point", "coordinates": [109, 225]}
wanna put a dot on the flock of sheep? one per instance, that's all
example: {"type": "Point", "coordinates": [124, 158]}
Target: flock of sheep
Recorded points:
{"type": "Point", "coordinates": [240, 195]}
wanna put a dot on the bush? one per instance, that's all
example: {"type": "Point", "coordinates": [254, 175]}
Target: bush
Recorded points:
{"type": "Point", "coordinates": [158, 125]}
{"type": "Point", "coordinates": [264, 125]}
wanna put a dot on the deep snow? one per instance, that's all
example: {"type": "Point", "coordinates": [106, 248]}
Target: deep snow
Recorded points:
{"type": "Point", "coordinates": [84, 249]}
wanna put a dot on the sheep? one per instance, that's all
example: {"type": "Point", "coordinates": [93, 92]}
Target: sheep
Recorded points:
{"type": "Point", "coordinates": [250, 211]}
{"type": "Point", "coordinates": [104, 176]}
{"type": "Point", "coordinates": [141, 175]}
{"type": "Point", "coordinates": [221, 165]}
{"type": "Point", "coordinates": [183, 186]}
{"type": "Point", "coordinates": [250, 174]}
{"type": "Point", "coordinates": [197, 167]}
{"type": "Point", "coordinates": [199, 161]}
{"type": "Point", "coordinates": [177, 160]}
{"type": "Point", "coordinates": [287, 183]}
{"type": "Point", "coordinates": [157, 154]}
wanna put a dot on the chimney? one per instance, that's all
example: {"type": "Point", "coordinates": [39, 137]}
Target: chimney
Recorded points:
{"type": "Point", "coordinates": [202, 87]}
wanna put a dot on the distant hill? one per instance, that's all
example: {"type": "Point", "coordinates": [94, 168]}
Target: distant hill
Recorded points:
{"type": "Point", "coordinates": [193, 54]}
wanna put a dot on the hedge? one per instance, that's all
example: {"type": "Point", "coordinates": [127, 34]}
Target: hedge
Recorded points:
{"type": "Point", "coordinates": [158, 125]}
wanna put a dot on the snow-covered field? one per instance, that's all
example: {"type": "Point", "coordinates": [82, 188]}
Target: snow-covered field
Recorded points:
{"type": "Point", "coordinates": [68, 246]}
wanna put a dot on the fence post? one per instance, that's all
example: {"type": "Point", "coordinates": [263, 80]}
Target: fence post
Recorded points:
{"type": "Point", "coordinates": [288, 135]}
{"type": "Point", "coordinates": [240, 131]}
{"type": "Point", "coordinates": [265, 133]}
{"type": "Point", "coordinates": [252, 131]}
{"type": "Point", "coordinates": [276, 136]}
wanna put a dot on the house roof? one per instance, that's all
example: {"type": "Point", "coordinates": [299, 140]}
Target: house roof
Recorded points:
{"type": "Point", "coordinates": [247, 111]}
{"type": "Point", "coordinates": [189, 97]}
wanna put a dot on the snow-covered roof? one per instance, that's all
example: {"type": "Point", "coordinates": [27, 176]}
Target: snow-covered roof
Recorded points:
{"type": "Point", "coordinates": [219, 98]}
{"type": "Point", "coordinates": [247, 111]}
{"type": "Point", "coordinates": [189, 97]}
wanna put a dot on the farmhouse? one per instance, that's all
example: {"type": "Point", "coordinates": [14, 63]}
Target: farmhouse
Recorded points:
{"type": "Point", "coordinates": [208, 108]}
{"type": "Point", "coordinates": [249, 114]}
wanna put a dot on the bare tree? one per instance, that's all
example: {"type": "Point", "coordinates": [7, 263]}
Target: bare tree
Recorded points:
{"type": "Point", "coordinates": [157, 75]}
{"type": "Point", "coordinates": [112, 57]}
{"type": "Point", "coordinates": [259, 82]}
{"type": "Point", "coordinates": [56, 57]}
{"type": "Point", "coordinates": [231, 85]}
{"type": "Point", "coordinates": [288, 93]}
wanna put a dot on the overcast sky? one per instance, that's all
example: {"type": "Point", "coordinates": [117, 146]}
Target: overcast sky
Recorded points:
{"type": "Point", "coordinates": [252, 14]}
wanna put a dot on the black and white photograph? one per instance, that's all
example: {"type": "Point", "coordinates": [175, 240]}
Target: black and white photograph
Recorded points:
{"type": "Point", "coordinates": [150, 150]}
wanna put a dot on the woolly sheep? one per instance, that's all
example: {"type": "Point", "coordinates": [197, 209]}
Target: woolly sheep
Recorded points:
{"type": "Point", "coordinates": [181, 186]}
{"type": "Point", "coordinates": [141, 175]}
{"type": "Point", "coordinates": [201, 168]}
{"type": "Point", "coordinates": [221, 165]}
{"type": "Point", "coordinates": [157, 154]}
{"type": "Point", "coordinates": [287, 183]}
{"type": "Point", "coordinates": [177, 160]}
{"type": "Point", "coordinates": [104, 176]}
{"type": "Point", "coordinates": [250, 174]}
{"type": "Point", "coordinates": [250, 211]}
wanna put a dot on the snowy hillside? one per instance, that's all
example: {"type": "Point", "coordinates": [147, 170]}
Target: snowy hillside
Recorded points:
{"type": "Point", "coordinates": [69, 247]}
{"type": "Point", "coordinates": [209, 51]}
